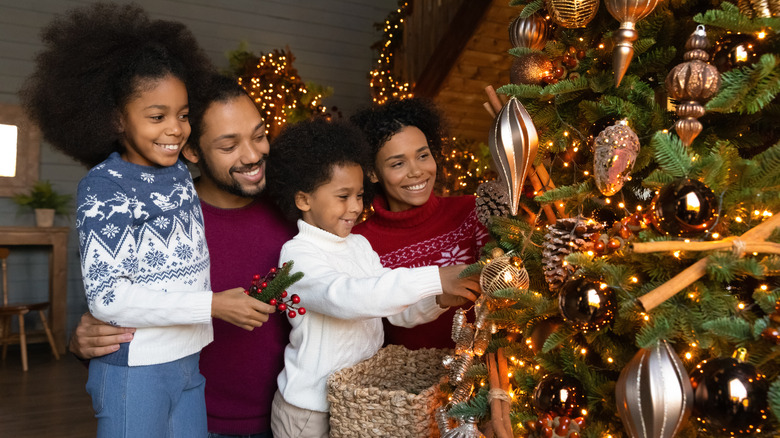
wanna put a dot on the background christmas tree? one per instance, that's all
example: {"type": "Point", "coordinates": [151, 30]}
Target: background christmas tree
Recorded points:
{"type": "Point", "coordinates": [640, 266]}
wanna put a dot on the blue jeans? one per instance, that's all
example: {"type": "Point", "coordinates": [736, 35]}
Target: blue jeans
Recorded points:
{"type": "Point", "coordinates": [165, 400]}
{"type": "Point", "coordinates": [254, 435]}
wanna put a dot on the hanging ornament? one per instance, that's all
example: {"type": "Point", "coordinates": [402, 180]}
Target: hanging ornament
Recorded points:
{"type": "Point", "coordinates": [462, 392]}
{"type": "Point", "coordinates": [530, 69]}
{"type": "Point", "coordinates": [759, 8]}
{"type": "Point", "coordinates": [558, 394]}
{"type": "Point", "coordinates": [458, 323]}
{"type": "Point", "coordinates": [567, 235]}
{"type": "Point", "coordinates": [729, 396]}
{"type": "Point", "coordinates": [503, 272]}
{"type": "Point", "coordinates": [614, 153]}
{"type": "Point", "coordinates": [692, 83]}
{"type": "Point", "coordinates": [530, 32]}
{"type": "Point", "coordinates": [492, 200]}
{"type": "Point", "coordinates": [459, 366]}
{"type": "Point", "coordinates": [653, 393]}
{"type": "Point", "coordinates": [572, 14]}
{"type": "Point", "coordinates": [513, 142]}
{"type": "Point", "coordinates": [627, 12]}
{"type": "Point", "coordinates": [467, 428]}
{"type": "Point", "coordinates": [735, 50]}
{"type": "Point", "coordinates": [548, 426]}
{"type": "Point", "coordinates": [542, 331]}
{"type": "Point", "coordinates": [587, 304]}
{"type": "Point", "coordinates": [684, 208]}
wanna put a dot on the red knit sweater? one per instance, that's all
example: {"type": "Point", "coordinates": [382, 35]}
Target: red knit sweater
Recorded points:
{"type": "Point", "coordinates": [443, 232]}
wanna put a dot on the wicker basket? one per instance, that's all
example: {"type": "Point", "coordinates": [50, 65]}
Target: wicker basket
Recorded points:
{"type": "Point", "coordinates": [392, 394]}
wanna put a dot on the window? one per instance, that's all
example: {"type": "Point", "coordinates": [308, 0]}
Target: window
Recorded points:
{"type": "Point", "coordinates": [20, 143]}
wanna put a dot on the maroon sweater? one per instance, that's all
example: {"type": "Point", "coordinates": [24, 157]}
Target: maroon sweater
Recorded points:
{"type": "Point", "coordinates": [443, 232]}
{"type": "Point", "coordinates": [241, 366]}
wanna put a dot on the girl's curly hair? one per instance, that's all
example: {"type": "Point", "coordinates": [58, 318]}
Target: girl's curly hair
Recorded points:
{"type": "Point", "coordinates": [380, 122]}
{"type": "Point", "coordinates": [303, 156]}
{"type": "Point", "coordinates": [94, 61]}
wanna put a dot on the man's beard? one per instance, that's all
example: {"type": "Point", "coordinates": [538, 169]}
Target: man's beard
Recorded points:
{"type": "Point", "coordinates": [231, 186]}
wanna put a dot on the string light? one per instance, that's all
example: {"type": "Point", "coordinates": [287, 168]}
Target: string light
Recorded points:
{"type": "Point", "coordinates": [382, 82]}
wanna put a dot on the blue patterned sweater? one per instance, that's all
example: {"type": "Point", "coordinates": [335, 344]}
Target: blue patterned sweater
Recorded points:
{"type": "Point", "coordinates": [144, 258]}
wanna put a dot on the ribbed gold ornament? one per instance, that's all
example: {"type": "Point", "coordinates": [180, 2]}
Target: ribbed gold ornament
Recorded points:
{"type": "Point", "coordinates": [572, 13]}
{"type": "Point", "coordinates": [627, 12]}
{"type": "Point", "coordinates": [530, 32]}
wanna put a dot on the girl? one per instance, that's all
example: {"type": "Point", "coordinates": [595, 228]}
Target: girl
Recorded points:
{"type": "Point", "coordinates": [110, 90]}
{"type": "Point", "coordinates": [411, 226]}
{"type": "Point", "coordinates": [315, 174]}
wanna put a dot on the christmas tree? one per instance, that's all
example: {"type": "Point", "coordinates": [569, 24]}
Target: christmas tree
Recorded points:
{"type": "Point", "coordinates": [636, 294]}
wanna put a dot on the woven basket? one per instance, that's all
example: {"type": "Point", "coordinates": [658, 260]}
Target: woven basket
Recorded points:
{"type": "Point", "coordinates": [392, 394]}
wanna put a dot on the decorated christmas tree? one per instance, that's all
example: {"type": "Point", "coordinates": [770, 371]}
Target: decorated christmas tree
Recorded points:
{"type": "Point", "coordinates": [636, 292]}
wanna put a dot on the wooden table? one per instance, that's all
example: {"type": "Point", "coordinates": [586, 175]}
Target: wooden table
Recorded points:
{"type": "Point", "coordinates": [57, 239]}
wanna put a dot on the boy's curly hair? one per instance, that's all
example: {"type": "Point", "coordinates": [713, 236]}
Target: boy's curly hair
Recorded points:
{"type": "Point", "coordinates": [215, 88]}
{"type": "Point", "coordinates": [303, 156]}
{"type": "Point", "coordinates": [380, 122]}
{"type": "Point", "coordinates": [94, 61]}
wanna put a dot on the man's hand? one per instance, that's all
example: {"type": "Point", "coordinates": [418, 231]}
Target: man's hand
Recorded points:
{"type": "Point", "coordinates": [239, 309]}
{"type": "Point", "coordinates": [457, 291]}
{"type": "Point", "coordinates": [93, 338]}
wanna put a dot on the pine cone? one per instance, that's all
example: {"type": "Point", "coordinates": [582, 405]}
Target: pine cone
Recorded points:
{"type": "Point", "coordinates": [567, 235]}
{"type": "Point", "coordinates": [492, 200]}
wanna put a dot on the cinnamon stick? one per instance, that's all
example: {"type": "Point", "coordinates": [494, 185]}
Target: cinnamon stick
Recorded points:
{"type": "Point", "coordinates": [496, 408]}
{"type": "Point", "coordinates": [692, 273]}
{"type": "Point", "coordinates": [503, 378]}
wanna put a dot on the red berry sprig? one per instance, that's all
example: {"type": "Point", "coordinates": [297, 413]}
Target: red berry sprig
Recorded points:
{"type": "Point", "coordinates": [271, 289]}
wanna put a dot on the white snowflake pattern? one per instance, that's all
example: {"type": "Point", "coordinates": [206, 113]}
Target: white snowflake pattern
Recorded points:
{"type": "Point", "coordinates": [454, 256]}
{"type": "Point", "coordinates": [114, 173]}
{"type": "Point", "coordinates": [147, 177]}
{"type": "Point", "coordinates": [162, 222]}
{"type": "Point", "coordinates": [110, 231]}
{"type": "Point", "coordinates": [184, 216]}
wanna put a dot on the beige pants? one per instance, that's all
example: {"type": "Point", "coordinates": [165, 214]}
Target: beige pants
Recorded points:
{"type": "Point", "coordinates": [288, 421]}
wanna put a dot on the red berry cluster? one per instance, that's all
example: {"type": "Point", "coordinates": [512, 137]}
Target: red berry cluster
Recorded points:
{"type": "Point", "coordinates": [563, 66]}
{"type": "Point", "coordinates": [282, 303]}
{"type": "Point", "coordinates": [616, 237]}
{"type": "Point", "coordinates": [548, 426]}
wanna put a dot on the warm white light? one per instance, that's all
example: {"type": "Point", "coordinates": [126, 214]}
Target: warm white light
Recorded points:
{"type": "Point", "coordinates": [8, 136]}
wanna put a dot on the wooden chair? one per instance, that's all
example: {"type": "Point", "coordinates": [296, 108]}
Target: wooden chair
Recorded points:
{"type": "Point", "coordinates": [8, 311]}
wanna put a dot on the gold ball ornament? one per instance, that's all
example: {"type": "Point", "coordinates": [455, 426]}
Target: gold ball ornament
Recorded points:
{"type": "Point", "coordinates": [692, 83]}
{"type": "Point", "coordinates": [572, 13]}
{"type": "Point", "coordinates": [530, 69]}
{"type": "Point", "coordinates": [627, 12]}
{"type": "Point", "coordinates": [530, 32]}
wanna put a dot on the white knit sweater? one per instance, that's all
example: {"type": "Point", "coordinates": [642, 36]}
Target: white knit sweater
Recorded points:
{"type": "Point", "coordinates": [346, 292]}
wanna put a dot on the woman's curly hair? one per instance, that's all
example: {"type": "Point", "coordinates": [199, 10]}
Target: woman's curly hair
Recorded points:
{"type": "Point", "coordinates": [380, 122]}
{"type": "Point", "coordinates": [94, 61]}
{"type": "Point", "coordinates": [303, 156]}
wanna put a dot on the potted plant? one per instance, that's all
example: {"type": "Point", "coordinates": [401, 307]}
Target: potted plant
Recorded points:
{"type": "Point", "coordinates": [45, 202]}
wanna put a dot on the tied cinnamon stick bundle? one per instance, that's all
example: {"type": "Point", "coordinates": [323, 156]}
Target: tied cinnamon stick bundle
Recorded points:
{"type": "Point", "coordinates": [499, 419]}
{"type": "Point", "coordinates": [753, 240]}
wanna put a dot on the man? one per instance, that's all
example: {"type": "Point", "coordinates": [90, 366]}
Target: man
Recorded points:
{"type": "Point", "coordinates": [244, 235]}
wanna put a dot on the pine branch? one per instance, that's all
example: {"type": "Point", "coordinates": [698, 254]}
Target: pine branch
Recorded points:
{"type": "Point", "coordinates": [729, 17]}
{"type": "Point", "coordinates": [531, 7]}
{"type": "Point", "coordinates": [734, 329]}
{"type": "Point", "coordinates": [749, 89]}
{"type": "Point", "coordinates": [774, 399]}
{"type": "Point", "coordinates": [566, 192]}
{"type": "Point", "coordinates": [521, 91]}
{"type": "Point", "coordinates": [672, 156]}
{"type": "Point", "coordinates": [767, 170]}
{"type": "Point", "coordinates": [279, 283]}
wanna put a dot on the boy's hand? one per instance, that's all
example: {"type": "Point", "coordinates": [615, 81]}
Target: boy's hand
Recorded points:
{"type": "Point", "coordinates": [94, 338]}
{"type": "Point", "coordinates": [236, 307]}
{"type": "Point", "coordinates": [457, 291]}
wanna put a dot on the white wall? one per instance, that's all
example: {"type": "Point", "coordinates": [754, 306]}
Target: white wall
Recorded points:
{"type": "Point", "coordinates": [330, 40]}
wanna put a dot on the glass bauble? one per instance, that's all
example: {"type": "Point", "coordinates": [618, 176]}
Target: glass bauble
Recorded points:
{"type": "Point", "coordinates": [558, 394]}
{"type": "Point", "coordinates": [684, 208]}
{"type": "Point", "coordinates": [729, 396]}
{"type": "Point", "coordinates": [736, 50]}
{"type": "Point", "coordinates": [587, 304]}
